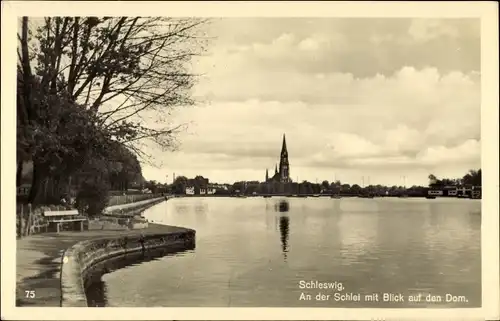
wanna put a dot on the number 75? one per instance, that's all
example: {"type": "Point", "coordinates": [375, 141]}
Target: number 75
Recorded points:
{"type": "Point", "coordinates": [30, 294]}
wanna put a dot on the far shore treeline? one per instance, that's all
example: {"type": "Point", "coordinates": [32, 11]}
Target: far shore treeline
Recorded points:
{"type": "Point", "coordinates": [199, 183]}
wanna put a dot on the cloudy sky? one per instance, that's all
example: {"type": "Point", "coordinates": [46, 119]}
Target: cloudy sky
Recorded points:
{"type": "Point", "coordinates": [379, 98]}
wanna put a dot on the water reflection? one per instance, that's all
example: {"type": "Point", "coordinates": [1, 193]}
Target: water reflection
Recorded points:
{"type": "Point", "coordinates": [371, 245]}
{"type": "Point", "coordinates": [96, 290]}
{"type": "Point", "coordinates": [284, 232]}
{"type": "Point", "coordinates": [283, 206]}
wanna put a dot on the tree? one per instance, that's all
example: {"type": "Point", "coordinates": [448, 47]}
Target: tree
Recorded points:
{"type": "Point", "coordinates": [134, 64]}
{"type": "Point", "coordinates": [473, 177]}
{"type": "Point", "coordinates": [433, 180]}
{"type": "Point", "coordinates": [355, 189]}
{"type": "Point", "coordinates": [325, 185]}
{"type": "Point", "coordinates": [101, 74]}
{"type": "Point", "coordinates": [93, 192]}
{"type": "Point", "coordinates": [179, 185]}
{"type": "Point", "coordinates": [125, 169]}
{"type": "Point", "coordinates": [55, 133]}
{"type": "Point", "coordinates": [238, 187]}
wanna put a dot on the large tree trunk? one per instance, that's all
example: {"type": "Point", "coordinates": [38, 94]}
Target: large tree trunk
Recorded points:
{"type": "Point", "coordinates": [36, 182]}
{"type": "Point", "coordinates": [19, 173]}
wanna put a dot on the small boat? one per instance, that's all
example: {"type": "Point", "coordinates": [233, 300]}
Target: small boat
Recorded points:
{"type": "Point", "coordinates": [267, 196]}
{"type": "Point", "coordinates": [336, 196]}
{"type": "Point", "coordinates": [430, 197]}
{"type": "Point", "coordinates": [315, 195]}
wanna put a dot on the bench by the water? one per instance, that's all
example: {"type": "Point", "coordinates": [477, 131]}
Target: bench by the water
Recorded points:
{"type": "Point", "coordinates": [60, 218]}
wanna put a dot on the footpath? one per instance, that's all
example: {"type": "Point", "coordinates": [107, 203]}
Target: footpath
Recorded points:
{"type": "Point", "coordinates": [38, 261]}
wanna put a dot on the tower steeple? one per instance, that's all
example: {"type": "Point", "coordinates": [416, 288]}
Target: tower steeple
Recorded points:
{"type": "Point", "coordinates": [276, 169]}
{"type": "Point", "coordinates": [267, 175]}
{"type": "Point", "coordinates": [284, 166]}
{"type": "Point", "coordinates": [283, 146]}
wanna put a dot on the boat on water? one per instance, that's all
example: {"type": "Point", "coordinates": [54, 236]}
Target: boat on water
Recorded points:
{"type": "Point", "coordinates": [315, 195]}
{"type": "Point", "coordinates": [430, 197]}
{"type": "Point", "coordinates": [267, 196]}
{"type": "Point", "coordinates": [336, 196]}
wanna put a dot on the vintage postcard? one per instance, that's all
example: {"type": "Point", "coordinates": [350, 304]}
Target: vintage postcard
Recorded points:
{"type": "Point", "coordinates": [249, 160]}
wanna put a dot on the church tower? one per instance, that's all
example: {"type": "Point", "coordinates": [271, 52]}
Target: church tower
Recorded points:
{"type": "Point", "coordinates": [267, 175]}
{"type": "Point", "coordinates": [284, 165]}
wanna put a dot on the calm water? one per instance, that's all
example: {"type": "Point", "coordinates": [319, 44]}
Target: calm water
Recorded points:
{"type": "Point", "coordinates": [253, 252]}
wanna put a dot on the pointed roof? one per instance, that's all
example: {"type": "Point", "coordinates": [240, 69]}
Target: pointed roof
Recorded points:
{"type": "Point", "coordinates": [283, 147]}
{"type": "Point", "coordinates": [276, 169]}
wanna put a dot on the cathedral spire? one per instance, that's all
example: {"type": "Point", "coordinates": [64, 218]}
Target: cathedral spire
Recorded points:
{"type": "Point", "coordinates": [267, 175]}
{"type": "Point", "coordinates": [284, 169]}
{"type": "Point", "coordinates": [283, 147]}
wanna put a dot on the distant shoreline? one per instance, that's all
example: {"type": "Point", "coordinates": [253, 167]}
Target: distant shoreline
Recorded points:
{"type": "Point", "coordinates": [308, 195]}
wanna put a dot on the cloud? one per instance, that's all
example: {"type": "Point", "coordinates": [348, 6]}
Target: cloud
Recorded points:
{"type": "Point", "coordinates": [404, 120]}
{"type": "Point", "coordinates": [362, 47]}
{"type": "Point", "coordinates": [372, 95]}
{"type": "Point", "coordinates": [423, 30]}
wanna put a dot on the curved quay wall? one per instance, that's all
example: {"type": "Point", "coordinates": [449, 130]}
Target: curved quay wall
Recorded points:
{"type": "Point", "coordinates": [78, 260]}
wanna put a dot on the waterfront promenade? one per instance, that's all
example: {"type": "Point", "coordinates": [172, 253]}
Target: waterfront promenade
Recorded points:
{"type": "Point", "coordinates": [38, 260]}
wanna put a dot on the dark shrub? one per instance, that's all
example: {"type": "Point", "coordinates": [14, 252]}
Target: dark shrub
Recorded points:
{"type": "Point", "coordinates": [92, 198]}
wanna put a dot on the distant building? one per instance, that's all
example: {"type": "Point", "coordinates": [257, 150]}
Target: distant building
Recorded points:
{"type": "Point", "coordinates": [282, 174]}
{"type": "Point", "coordinates": [450, 191]}
{"type": "Point", "coordinates": [466, 191]}
{"type": "Point", "coordinates": [476, 192]}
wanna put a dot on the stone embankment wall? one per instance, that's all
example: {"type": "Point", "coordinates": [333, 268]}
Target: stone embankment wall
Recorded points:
{"type": "Point", "coordinates": [124, 217]}
{"type": "Point", "coordinates": [77, 261]}
{"type": "Point", "coordinates": [131, 209]}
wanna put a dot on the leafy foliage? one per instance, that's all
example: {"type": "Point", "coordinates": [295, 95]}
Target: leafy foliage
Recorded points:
{"type": "Point", "coordinates": [473, 177]}
{"type": "Point", "coordinates": [122, 67]}
{"type": "Point", "coordinates": [84, 84]}
{"type": "Point", "coordinates": [179, 185]}
{"type": "Point", "coordinates": [92, 197]}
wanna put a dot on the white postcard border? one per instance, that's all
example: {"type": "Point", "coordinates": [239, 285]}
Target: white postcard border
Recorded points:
{"type": "Point", "coordinates": [487, 11]}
